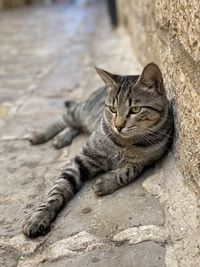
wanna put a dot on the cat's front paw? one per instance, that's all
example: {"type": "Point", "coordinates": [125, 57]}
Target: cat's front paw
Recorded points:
{"type": "Point", "coordinates": [104, 186]}
{"type": "Point", "coordinates": [36, 226]}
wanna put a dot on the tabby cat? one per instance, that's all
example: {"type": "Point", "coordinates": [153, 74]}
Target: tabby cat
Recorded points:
{"type": "Point", "coordinates": [131, 124]}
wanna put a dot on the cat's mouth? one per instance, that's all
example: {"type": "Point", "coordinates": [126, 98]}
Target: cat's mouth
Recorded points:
{"type": "Point", "coordinates": [125, 132]}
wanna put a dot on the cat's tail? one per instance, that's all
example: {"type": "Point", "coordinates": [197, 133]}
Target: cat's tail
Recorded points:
{"type": "Point", "coordinates": [69, 103]}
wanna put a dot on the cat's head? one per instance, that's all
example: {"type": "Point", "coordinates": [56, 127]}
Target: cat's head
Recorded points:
{"type": "Point", "coordinates": [134, 104]}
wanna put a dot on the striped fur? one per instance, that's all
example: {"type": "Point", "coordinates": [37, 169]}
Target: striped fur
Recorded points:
{"type": "Point", "coordinates": [130, 123]}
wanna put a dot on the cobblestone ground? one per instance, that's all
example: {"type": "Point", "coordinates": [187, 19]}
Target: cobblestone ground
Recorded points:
{"type": "Point", "coordinates": [48, 54]}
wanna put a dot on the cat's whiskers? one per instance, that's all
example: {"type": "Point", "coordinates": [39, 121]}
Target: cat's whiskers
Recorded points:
{"type": "Point", "coordinates": [153, 140]}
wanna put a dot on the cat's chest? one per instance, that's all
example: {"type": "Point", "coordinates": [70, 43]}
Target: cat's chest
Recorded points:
{"type": "Point", "coordinates": [122, 156]}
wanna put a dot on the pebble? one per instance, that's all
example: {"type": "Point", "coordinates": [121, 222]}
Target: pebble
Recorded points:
{"type": "Point", "coordinates": [86, 210]}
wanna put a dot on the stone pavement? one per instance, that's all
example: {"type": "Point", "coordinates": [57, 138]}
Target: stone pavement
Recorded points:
{"type": "Point", "coordinates": [47, 55]}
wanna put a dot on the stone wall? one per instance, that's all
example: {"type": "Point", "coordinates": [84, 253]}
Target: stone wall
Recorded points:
{"type": "Point", "coordinates": [168, 33]}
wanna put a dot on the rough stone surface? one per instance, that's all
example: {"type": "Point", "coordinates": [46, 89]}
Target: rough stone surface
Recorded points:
{"type": "Point", "coordinates": [50, 58]}
{"type": "Point", "coordinates": [181, 211]}
{"type": "Point", "coordinates": [125, 256]}
{"type": "Point", "coordinates": [142, 233]}
{"type": "Point", "coordinates": [182, 19]}
{"type": "Point", "coordinates": [168, 33]}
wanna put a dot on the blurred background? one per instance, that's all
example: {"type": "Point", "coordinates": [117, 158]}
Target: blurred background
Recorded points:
{"type": "Point", "coordinates": [5, 4]}
{"type": "Point", "coordinates": [48, 50]}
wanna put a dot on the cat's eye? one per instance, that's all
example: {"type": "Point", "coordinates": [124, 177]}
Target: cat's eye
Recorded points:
{"type": "Point", "coordinates": [112, 109]}
{"type": "Point", "coordinates": [135, 109]}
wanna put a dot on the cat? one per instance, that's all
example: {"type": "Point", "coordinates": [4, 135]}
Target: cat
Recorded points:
{"type": "Point", "coordinates": [131, 125]}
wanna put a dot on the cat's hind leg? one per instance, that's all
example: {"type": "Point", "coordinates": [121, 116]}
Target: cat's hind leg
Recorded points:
{"type": "Point", "coordinates": [65, 137]}
{"type": "Point", "coordinates": [48, 133]}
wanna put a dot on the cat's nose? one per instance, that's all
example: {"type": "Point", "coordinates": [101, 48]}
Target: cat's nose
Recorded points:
{"type": "Point", "coordinates": [119, 127]}
{"type": "Point", "coordinates": [119, 124]}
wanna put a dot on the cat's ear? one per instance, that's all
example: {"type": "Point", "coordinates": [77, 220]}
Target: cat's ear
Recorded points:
{"type": "Point", "coordinates": [151, 78]}
{"type": "Point", "coordinates": [107, 77]}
